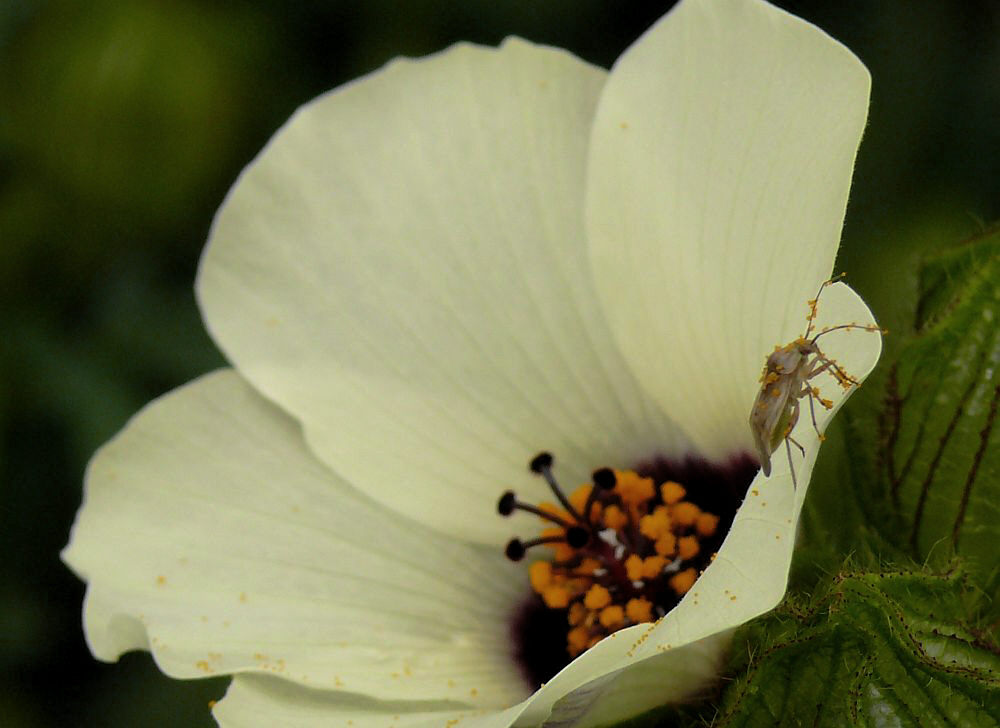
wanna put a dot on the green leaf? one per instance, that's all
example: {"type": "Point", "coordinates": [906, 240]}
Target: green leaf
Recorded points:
{"type": "Point", "coordinates": [938, 456]}
{"type": "Point", "coordinates": [874, 649]}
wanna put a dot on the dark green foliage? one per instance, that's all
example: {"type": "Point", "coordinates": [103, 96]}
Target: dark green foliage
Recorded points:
{"type": "Point", "coordinates": [939, 435]}
{"type": "Point", "coordinates": [871, 649]}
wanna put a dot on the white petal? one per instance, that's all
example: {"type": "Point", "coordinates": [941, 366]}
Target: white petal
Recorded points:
{"type": "Point", "coordinates": [211, 535]}
{"type": "Point", "coordinates": [683, 673]}
{"type": "Point", "coordinates": [746, 579]}
{"type": "Point", "coordinates": [609, 697]}
{"type": "Point", "coordinates": [404, 270]}
{"type": "Point", "coordinates": [720, 165]}
{"type": "Point", "coordinates": [253, 701]}
{"type": "Point", "coordinates": [750, 573]}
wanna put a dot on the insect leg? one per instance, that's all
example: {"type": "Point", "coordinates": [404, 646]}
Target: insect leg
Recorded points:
{"type": "Point", "coordinates": [789, 441]}
{"type": "Point", "coordinates": [812, 413]}
{"type": "Point", "coordinates": [843, 378]}
{"type": "Point", "coordinates": [791, 465]}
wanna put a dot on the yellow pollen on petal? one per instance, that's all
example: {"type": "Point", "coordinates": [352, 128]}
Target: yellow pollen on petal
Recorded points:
{"type": "Point", "coordinates": [639, 610]}
{"type": "Point", "coordinates": [652, 566]}
{"type": "Point", "coordinates": [556, 596]}
{"type": "Point", "coordinates": [688, 547]}
{"type": "Point", "coordinates": [666, 544]}
{"type": "Point", "coordinates": [633, 567]}
{"type": "Point", "coordinates": [705, 524]}
{"type": "Point", "coordinates": [615, 518]}
{"type": "Point", "coordinates": [540, 574]}
{"type": "Point", "coordinates": [612, 617]}
{"type": "Point", "coordinates": [597, 597]}
{"type": "Point", "coordinates": [683, 580]}
{"type": "Point", "coordinates": [685, 513]}
{"type": "Point", "coordinates": [655, 524]}
{"type": "Point", "coordinates": [672, 492]}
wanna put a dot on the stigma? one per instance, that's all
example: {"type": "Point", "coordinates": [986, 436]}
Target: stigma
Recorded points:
{"type": "Point", "coordinates": [618, 551]}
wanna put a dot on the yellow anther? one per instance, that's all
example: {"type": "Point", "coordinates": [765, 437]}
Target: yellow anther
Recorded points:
{"type": "Point", "coordinates": [652, 566]}
{"type": "Point", "coordinates": [639, 610]}
{"type": "Point", "coordinates": [615, 518]}
{"type": "Point", "coordinates": [705, 524]}
{"type": "Point", "coordinates": [633, 567]}
{"type": "Point", "coordinates": [612, 617]}
{"type": "Point", "coordinates": [556, 596]}
{"type": "Point", "coordinates": [577, 640]}
{"type": "Point", "coordinates": [666, 545]}
{"type": "Point", "coordinates": [655, 524]}
{"type": "Point", "coordinates": [588, 566]}
{"type": "Point", "coordinates": [540, 574]}
{"type": "Point", "coordinates": [634, 489]}
{"type": "Point", "coordinates": [685, 513]}
{"type": "Point", "coordinates": [688, 547]}
{"type": "Point", "coordinates": [561, 551]}
{"type": "Point", "coordinates": [579, 498]}
{"type": "Point", "coordinates": [555, 511]}
{"type": "Point", "coordinates": [597, 597]}
{"type": "Point", "coordinates": [683, 580]}
{"type": "Point", "coordinates": [672, 492]}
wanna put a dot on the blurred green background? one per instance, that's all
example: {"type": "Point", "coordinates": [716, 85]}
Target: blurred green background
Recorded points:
{"type": "Point", "coordinates": [122, 124]}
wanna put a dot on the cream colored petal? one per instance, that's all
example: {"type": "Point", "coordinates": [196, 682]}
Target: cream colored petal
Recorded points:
{"type": "Point", "coordinates": [403, 269]}
{"type": "Point", "coordinates": [750, 573]}
{"type": "Point", "coordinates": [210, 535]}
{"type": "Point", "coordinates": [746, 579]}
{"type": "Point", "coordinates": [720, 165]}
{"type": "Point", "coordinates": [684, 673]}
{"type": "Point", "coordinates": [254, 701]}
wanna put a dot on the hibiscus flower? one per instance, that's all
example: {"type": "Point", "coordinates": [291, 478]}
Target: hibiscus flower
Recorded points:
{"type": "Point", "coordinates": [431, 275]}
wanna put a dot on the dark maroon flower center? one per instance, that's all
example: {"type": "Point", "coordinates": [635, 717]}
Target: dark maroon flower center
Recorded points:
{"type": "Point", "coordinates": [618, 551]}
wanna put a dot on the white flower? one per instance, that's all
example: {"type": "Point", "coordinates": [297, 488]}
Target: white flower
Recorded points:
{"type": "Point", "coordinates": [428, 276]}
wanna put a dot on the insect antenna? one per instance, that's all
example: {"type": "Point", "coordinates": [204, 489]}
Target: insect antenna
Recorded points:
{"type": "Point", "coordinates": [813, 303]}
{"type": "Point", "coordinates": [866, 327]}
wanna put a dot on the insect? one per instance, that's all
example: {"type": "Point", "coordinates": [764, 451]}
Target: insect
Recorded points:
{"type": "Point", "coordinates": [786, 380]}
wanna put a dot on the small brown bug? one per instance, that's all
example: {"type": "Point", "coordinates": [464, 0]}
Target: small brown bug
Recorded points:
{"type": "Point", "coordinates": [785, 381]}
